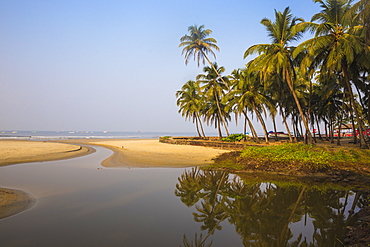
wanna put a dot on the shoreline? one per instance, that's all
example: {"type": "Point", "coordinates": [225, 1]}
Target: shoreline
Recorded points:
{"type": "Point", "coordinates": [25, 151]}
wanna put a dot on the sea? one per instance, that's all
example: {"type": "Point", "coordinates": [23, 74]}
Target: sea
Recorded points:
{"type": "Point", "coordinates": [64, 135]}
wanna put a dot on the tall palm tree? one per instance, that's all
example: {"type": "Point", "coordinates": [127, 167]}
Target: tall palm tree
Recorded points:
{"type": "Point", "coordinates": [276, 58]}
{"type": "Point", "coordinates": [214, 88]}
{"type": "Point", "coordinates": [190, 101]}
{"type": "Point", "coordinates": [335, 46]}
{"type": "Point", "coordinates": [197, 44]}
{"type": "Point", "coordinates": [361, 13]}
{"type": "Point", "coordinates": [248, 94]}
{"type": "Point", "coordinates": [234, 99]}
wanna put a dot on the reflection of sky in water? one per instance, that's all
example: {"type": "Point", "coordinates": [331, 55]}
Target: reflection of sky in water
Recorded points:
{"type": "Point", "coordinates": [80, 205]}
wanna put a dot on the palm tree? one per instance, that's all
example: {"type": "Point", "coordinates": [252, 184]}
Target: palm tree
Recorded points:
{"type": "Point", "coordinates": [234, 99]}
{"type": "Point", "coordinates": [361, 13]}
{"type": "Point", "coordinates": [248, 94]}
{"type": "Point", "coordinates": [276, 58]}
{"type": "Point", "coordinates": [198, 45]}
{"type": "Point", "coordinates": [214, 88]}
{"type": "Point", "coordinates": [190, 101]}
{"type": "Point", "coordinates": [334, 47]}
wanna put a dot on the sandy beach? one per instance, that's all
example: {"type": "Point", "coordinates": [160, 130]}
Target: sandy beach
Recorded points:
{"type": "Point", "coordinates": [21, 151]}
{"type": "Point", "coordinates": [152, 153]}
{"type": "Point", "coordinates": [127, 153]}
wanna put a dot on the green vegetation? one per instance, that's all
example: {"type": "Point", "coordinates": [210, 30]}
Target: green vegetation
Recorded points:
{"type": "Point", "coordinates": [165, 137]}
{"type": "Point", "coordinates": [304, 154]}
{"type": "Point", "coordinates": [290, 157]}
{"type": "Point", "coordinates": [234, 138]}
{"type": "Point", "coordinates": [322, 83]}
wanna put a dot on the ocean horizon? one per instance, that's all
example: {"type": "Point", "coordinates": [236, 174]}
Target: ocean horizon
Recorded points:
{"type": "Point", "coordinates": [63, 135]}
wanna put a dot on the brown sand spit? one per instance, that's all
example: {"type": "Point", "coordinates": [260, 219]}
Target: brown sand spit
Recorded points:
{"type": "Point", "coordinates": [21, 151]}
{"type": "Point", "coordinates": [13, 202]}
{"type": "Point", "coordinates": [152, 153]}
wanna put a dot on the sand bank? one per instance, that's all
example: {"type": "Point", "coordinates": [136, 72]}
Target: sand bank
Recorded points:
{"type": "Point", "coordinates": [152, 153]}
{"type": "Point", "coordinates": [13, 202]}
{"type": "Point", "coordinates": [20, 151]}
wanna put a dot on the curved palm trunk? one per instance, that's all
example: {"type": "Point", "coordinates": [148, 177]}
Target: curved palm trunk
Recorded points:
{"type": "Point", "coordinates": [253, 130]}
{"type": "Point", "coordinates": [284, 230]}
{"type": "Point", "coordinates": [218, 105]}
{"type": "Point", "coordinates": [274, 124]}
{"type": "Point", "coordinates": [201, 125]}
{"type": "Point", "coordinates": [262, 123]}
{"type": "Point", "coordinates": [221, 117]}
{"type": "Point", "coordinates": [219, 128]}
{"type": "Point", "coordinates": [196, 124]}
{"type": "Point", "coordinates": [285, 122]}
{"type": "Point", "coordinates": [305, 122]}
{"type": "Point", "coordinates": [352, 98]}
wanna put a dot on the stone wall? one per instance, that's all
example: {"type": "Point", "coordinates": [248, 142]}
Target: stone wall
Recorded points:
{"type": "Point", "coordinates": [207, 142]}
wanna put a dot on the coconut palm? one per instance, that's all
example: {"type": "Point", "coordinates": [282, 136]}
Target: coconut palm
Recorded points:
{"type": "Point", "coordinates": [234, 100]}
{"type": "Point", "coordinates": [214, 88]}
{"type": "Point", "coordinates": [276, 58]}
{"type": "Point", "coordinates": [197, 45]}
{"type": "Point", "coordinates": [360, 12]}
{"type": "Point", "coordinates": [190, 101]}
{"type": "Point", "coordinates": [335, 46]}
{"type": "Point", "coordinates": [248, 94]}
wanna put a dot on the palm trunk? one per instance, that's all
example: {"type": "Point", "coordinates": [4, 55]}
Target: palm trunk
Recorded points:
{"type": "Point", "coordinates": [219, 128]}
{"type": "Point", "coordinates": [331, 130]}
{"type": "Point", "coordinates": [285, 122]}
{"type": "Point", "coordinates": [253, 130]}
{"type": "Point", "coordinates": [245, 128]}
{"type": "Point", "coordinates": [274, 124]}
{"type": "Point", "coordinates": [196, 125]}
{"type": "Point", "coordinates": [218, 105]}
{"type": "Point", "coordinates": [341, 120]}
{"type": "Point", "coordinates": [262, 123]}
{"type": "Point", "coordinates": [201, 126]}
{"type": "Point", "coordinates": [353, 124]}
{"type": "Point", "coordinates": [305, 122]}
{"type": "Point", "coordinates": [352, 98]}
{"type": "Point", "coordinates": [318, 127]}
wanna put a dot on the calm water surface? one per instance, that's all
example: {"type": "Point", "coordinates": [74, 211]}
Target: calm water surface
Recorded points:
{"type": "Point", "coordinates": [78, 204]}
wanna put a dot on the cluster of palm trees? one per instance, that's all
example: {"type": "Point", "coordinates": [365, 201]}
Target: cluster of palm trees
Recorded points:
{"type": "Point", "coordinates": [322, 81]}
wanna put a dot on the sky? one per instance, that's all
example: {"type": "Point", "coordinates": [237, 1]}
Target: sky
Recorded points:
{"type": "Point", "coordinates": [115, 64]}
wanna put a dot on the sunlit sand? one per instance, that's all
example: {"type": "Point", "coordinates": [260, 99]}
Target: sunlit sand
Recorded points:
{"type": "Point", "coordinates": [152, 153]}
{"type": "Point", "coordinates": [19, 151]}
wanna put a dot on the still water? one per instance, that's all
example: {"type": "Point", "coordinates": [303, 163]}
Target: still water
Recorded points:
{"type": "Point", "coordinates": [80, 204]}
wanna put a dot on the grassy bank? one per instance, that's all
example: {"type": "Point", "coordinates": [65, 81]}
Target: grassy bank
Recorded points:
{"type": "Point", "coordinates": [296, 159]}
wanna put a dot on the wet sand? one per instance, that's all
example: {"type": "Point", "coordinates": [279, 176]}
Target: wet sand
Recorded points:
{"type": "Point", "coordinates": [22, 151]}
{"type": "Point", "coordinates": [152, 153]}
{"type": "Point", "coordinates": [13, 202]}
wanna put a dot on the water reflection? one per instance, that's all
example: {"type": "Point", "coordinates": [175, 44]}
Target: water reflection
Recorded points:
{"type": "Point", "coordinates": [266, 213]}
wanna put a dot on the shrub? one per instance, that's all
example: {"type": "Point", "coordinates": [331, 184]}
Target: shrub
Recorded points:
{"type": "Point", "coordinates": [234, 138]}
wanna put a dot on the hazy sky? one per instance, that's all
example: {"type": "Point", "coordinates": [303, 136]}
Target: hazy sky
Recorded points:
{"type": "Point", "coordinates": [115, 64]}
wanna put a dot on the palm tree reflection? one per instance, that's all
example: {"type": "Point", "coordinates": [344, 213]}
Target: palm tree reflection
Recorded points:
{"type": "Point", "coordinates": [264, 213]}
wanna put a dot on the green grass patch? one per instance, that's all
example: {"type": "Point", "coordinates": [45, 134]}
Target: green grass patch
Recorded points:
{"type": "Point", "coordinates": [310, 155]}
